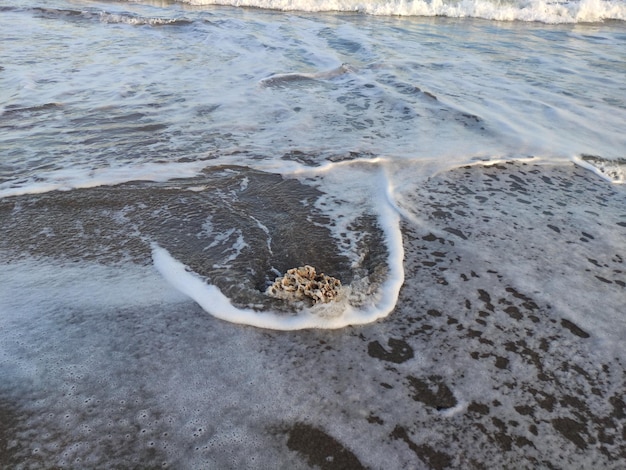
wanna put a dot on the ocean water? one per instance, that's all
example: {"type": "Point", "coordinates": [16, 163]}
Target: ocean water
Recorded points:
{"type": "Point", "coordinates": [458, 165]}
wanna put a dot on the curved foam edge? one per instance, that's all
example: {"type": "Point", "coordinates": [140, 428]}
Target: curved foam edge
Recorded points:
{"type": "Point", "coordinates": [327, 316]}
{"type": "Point", "coordinates": [618, 176]}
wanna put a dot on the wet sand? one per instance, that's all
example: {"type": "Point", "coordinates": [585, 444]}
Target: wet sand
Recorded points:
{"type": "Point", "coordinates": [505, 351]}
{"type": "Point", "coordinates": [482, 367]}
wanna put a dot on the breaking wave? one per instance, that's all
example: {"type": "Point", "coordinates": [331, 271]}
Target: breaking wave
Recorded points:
{"type": "Point", "coordinates": [559, 11]}
{"type": "Point", "coordinates": [550, 12]}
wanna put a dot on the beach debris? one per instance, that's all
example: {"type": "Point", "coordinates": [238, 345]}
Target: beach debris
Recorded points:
{"type": "Point", "coordinates": [305, 283]}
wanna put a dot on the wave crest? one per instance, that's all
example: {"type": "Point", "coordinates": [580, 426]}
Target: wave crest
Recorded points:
{"type": "Point", "coordinates": [559, 11]}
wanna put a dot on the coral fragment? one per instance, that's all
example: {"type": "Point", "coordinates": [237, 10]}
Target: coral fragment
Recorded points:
{"type": "Point", "coordinates": [304, 283]}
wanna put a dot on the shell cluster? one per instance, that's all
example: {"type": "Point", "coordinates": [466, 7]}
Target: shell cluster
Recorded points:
{"type": "Point", "coordinates": [304, 283]}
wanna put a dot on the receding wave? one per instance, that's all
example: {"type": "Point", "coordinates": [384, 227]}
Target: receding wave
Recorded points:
{"type": "Point", "coordinates": [582, 11]}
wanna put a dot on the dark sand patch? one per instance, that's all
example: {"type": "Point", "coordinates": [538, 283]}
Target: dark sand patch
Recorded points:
{"type": "Point", "coordinates": [399, 351]}
{"type": "Point", "coordinates": [431, 457]}
{"type": "Point", "coordinates": [320, 449]}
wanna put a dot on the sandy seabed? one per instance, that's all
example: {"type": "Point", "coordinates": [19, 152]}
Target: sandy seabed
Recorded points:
{"type": "Point", "coordinates": [505, 351]}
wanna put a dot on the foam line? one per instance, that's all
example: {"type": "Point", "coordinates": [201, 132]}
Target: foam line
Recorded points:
{"type": "Point", "coordinates": [77, 178]}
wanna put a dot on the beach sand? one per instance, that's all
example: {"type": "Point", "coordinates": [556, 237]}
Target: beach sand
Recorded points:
{"type": "Point", "coordinates": [505, 351]}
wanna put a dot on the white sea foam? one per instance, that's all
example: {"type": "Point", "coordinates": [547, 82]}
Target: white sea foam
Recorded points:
{"type": "Point", "coordinates": [78, 178]}
{"type": "Point", "coordinates": [139, 20]}
{"type": "Point", "coordinates": [231, 248]}
{"type": "Point", "coordinates": [583, 11]}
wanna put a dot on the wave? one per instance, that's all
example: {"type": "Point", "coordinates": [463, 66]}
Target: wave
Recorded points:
{"type": "Point", "coordinates": [554, 12]}
{"type": "Point", "coordinates": [102, 16]}
{"type": "Point", "coordinates": [544, 11]}
{"type": "Point", "coordinates": [141, 21]}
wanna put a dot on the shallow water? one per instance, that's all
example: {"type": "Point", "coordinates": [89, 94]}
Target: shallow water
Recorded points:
{"type": "Point", "coordinates": [162, 163]}
{"type": "Point", "coordinates": [87, 90]}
